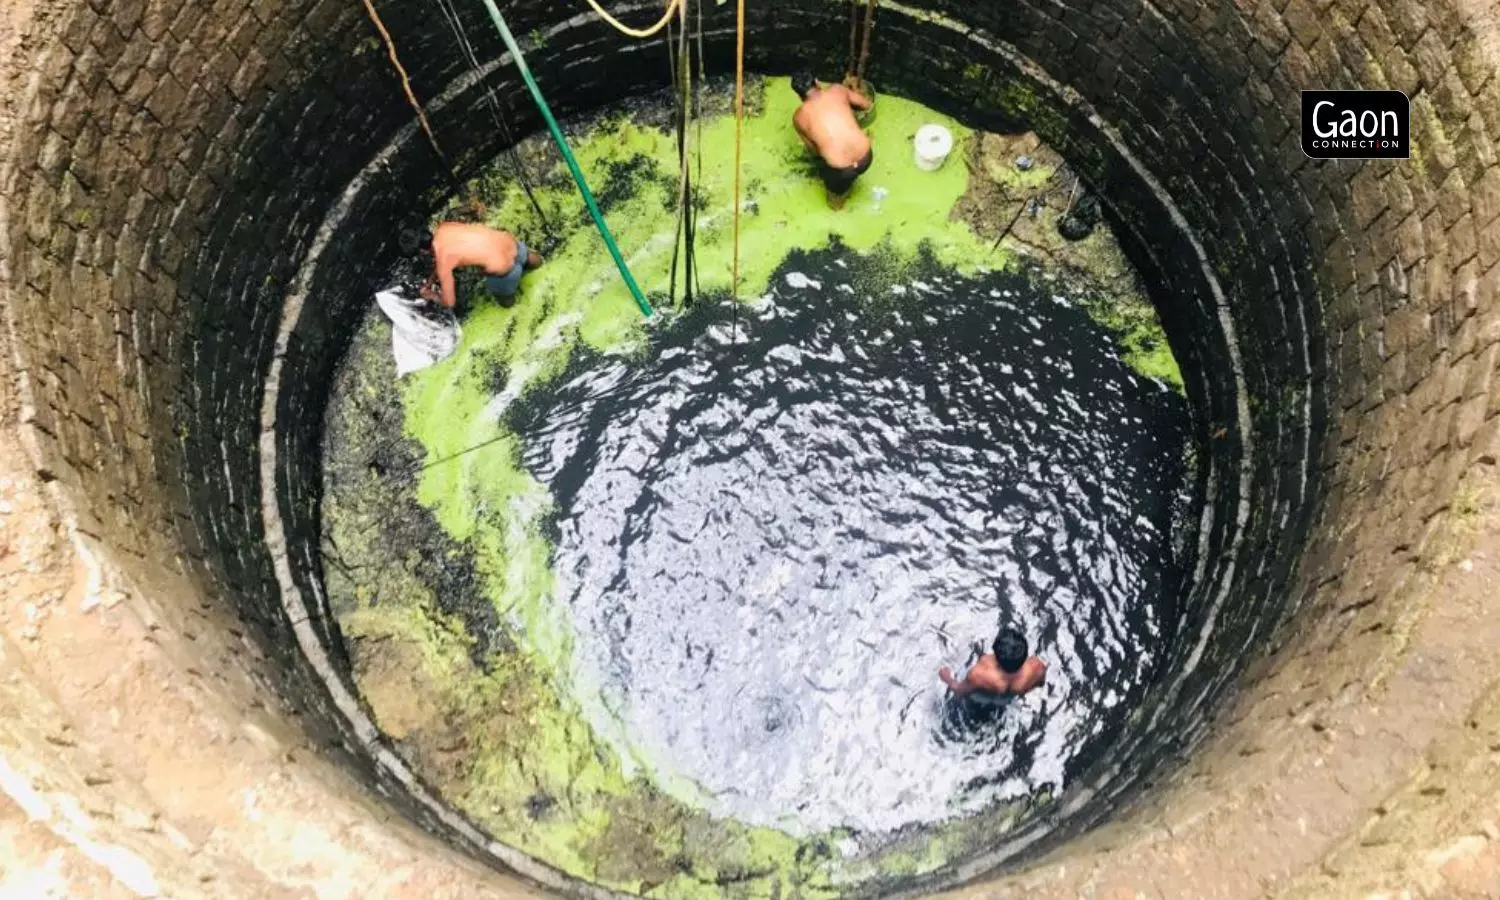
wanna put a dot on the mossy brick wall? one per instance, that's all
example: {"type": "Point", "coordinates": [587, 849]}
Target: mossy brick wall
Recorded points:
{"type": "Point", "coordinates": [172, 161]}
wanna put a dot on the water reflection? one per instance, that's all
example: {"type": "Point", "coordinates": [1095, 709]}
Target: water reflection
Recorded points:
{"type": "Point", "coordinates": [769, 546]}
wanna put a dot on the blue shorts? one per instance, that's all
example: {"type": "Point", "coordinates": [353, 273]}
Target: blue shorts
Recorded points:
{"type": "Point", "coordinates": [506, 285]}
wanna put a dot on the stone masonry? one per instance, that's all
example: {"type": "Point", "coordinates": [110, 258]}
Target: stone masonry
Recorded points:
{"type": "Point", "coordinates": [168, 163]}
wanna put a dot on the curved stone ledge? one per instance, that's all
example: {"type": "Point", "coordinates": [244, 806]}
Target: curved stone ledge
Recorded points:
{"type": "Point", "coordinates": [170, 171]}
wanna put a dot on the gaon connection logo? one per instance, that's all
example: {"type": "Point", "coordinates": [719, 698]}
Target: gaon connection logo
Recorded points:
{"type": "Point", "coordinates": [1356, 125]}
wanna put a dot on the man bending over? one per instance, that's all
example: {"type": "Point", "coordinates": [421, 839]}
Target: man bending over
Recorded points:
{"type": "Point", "coordinates": [1010, 669]}
{"type": "Point", "coordinates": [825, 122]}
{"type": "Point", "coordinates": [503, 258]}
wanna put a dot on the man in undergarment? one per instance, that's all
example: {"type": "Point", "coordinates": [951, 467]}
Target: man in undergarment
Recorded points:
{"type": "Point", "coordinates": [1010, 670]}
{"type": "Point", "coordinates": [825, 122]}
{"type": "Point", "coordinates": [502, 257]}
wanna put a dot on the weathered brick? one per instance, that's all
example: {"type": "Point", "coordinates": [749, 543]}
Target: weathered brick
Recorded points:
{"type": "Point", "coordinates": [1431, 59]}
{"type": "Point", "coordinates": [1485, 446]}
{"type": "Point", "coordinates": [1482, 373]}
{"type": "Point", "coordinates": [248, 75]}
{"type": "Point", "coordinates": [126, 14]}
{"type": "Point", "coordinates": [1485, 197]}
{"type": "Point", "coordinates": [70, 111]}
{"type": "Point", "coordinates": [1471, 64]}
{"type": "Point", "coordinates": [1453, 199]}
{"type": "Point", "coordinates": [158, 17]}
{"type": "Point", "coordinates": [78, 31]}
{"type": "Point", "coordinates": [1461, 241]}
{"type": "Point", "coordinates": [166, 100]}
{"type": "Point", "coordinates": [1455, 377]}
{"type": "Point", "coordinates": [127, 64]}
{"type": "Point", "coordinates": [1303, 22]}
{"type": "Point", "coordinates": [190, 16]}
{"type": "Point", "coordinates": [1411, 236]}
{"type": "Point", "coordinates": [1368, 197]}
{"type": "Point", "coordinates": [140, 88]}
{"type": "Point", "coordinates": [1398, 70]}
{"type": "Point", "coordinates": [1430, 140]}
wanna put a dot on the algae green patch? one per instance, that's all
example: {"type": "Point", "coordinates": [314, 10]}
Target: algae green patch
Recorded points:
{"type": "Point", "coordinates": [479, 715]}
{"type": "Point", "coordinates": [483, 495]}
{"type": "Point", "coordinates": [495, 723]}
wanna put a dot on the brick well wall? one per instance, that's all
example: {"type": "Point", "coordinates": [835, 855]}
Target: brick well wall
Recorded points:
{"type": "Point", "coordinates": [172, 160]}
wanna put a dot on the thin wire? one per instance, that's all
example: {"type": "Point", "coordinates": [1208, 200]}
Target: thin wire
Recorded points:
{"type": "Point", "coordinates": [637, 32]}
{"type": "Point", "coordinates": [698, 91]}
{"type": "Point", "coordinates": [566, 407]}
{"type": "Point", "coordinates": [1025, 204]}
{"type": "Point", "coordinates": [496, 112]}
{"type": "Point", "coordinates": [390, 48]}
{"type": "Point", "coordinates": [456, 25]}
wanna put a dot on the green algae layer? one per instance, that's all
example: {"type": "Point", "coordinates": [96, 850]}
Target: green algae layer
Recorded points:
{"type": "Point", "coordinates": [497, 725]}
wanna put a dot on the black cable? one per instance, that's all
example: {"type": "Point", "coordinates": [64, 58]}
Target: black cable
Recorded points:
{"type": "Point", "coordinates": [497, 112]}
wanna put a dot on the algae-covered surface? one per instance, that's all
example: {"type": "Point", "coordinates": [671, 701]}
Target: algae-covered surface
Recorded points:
{"type": "Point", "coordinates": [438, 550]}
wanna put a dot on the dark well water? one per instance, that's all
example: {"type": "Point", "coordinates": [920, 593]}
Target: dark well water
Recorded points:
{"type": "Point", "coordinates": [771, 536]}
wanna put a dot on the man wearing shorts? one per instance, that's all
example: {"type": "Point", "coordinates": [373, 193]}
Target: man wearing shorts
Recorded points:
{"type": "Point", "coordinates": [825, 122]}
{"type": "Point", "coordinates": [503, 258]}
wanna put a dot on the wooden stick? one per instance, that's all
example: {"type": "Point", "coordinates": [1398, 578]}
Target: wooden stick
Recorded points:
{"type": "Point", "coordinates": [390, 48]}
{"type": "Point", "coordinates": [1013, 220]}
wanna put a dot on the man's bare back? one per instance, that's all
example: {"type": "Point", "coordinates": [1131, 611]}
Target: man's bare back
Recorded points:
{"type": "Point", "coordinates": [1008, 671]}
{"type": "Point", "coordinates": [825, 122]}
{"type": "Point", "coordinates": [456, 244]}
{"type": "Point", "coordinates": [986, 675]}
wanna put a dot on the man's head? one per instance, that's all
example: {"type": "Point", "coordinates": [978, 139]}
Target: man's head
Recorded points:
{"type": "Point", "coordinates": [1011, 650]}
{"type": "Point", "coordinates": [803, 83]}
{"type": "Point", "coordinates": [416, 243]}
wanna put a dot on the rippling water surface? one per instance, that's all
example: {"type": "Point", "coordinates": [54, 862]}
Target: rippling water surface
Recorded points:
{"type": "Point", "coordinates": [772, 536]}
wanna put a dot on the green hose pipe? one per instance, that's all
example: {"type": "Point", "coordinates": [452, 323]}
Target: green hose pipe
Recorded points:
{"type": "Point", "coordinates": [562, 144]}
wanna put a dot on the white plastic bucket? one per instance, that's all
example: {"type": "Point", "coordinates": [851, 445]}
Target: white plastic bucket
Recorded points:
{"type": "Point", "coordinates": [933, 143]}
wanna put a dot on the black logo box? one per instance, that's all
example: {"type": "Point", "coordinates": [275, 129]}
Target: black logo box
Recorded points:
{"type": "Point", "coordinates": [1356, 125]}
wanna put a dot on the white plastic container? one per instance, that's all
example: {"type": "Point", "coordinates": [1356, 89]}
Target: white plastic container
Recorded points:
{"type": "Point", "coordinates": [933, 143]}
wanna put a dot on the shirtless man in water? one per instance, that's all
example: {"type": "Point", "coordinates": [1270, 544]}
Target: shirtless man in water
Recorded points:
{"type": "Point", "coordinates": [825, 122]}
{"type": "Point", "coordinates": [1010, 669]}
{"type": "Point", "coordinates": [503, 258]}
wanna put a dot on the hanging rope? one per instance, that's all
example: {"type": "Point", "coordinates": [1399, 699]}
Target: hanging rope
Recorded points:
{"type": "Point", "coordinates": [853, 40]}
{"type": "Point", "coordinates": [390, 49]}
{"type": "Point", "coordinates": [674, 64]}
{"type": "Point", "coordinates": [687, 90]}
{"type": "Point", "coordinates": [864, 50]}
{"type": "Point", "coordinates": [698, 147]}
{"type": "Point", "coordinates": [637, 32]}
{"type": "Point", "coordinates": [739, 127]}
{"type": "Point", "coordinates": [567, 154]}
